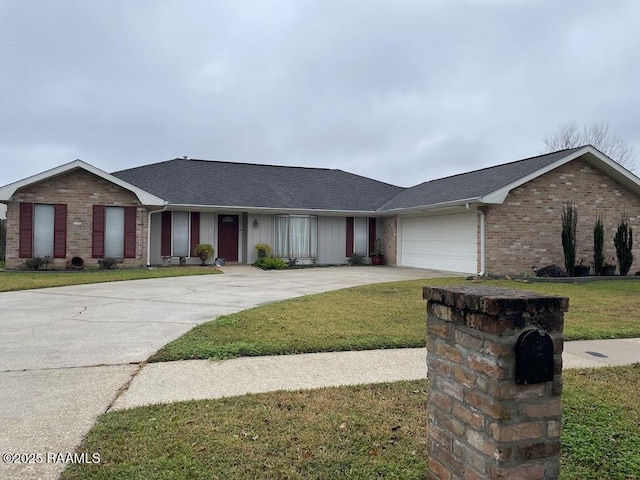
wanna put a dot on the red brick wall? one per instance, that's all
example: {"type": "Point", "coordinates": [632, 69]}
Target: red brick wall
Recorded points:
{"type": "Point", "coordinates": [525, 230]}
{"type": "Point", "coordinates": [80, 190]}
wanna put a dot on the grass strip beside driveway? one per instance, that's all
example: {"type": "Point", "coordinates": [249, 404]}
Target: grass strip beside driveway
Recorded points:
{"type": "Point", "coordinates": [388, 315]}
{"type": "Point", "coordinates": [370, 431]}
{"type": "Point", "coordinates": [20, 280]}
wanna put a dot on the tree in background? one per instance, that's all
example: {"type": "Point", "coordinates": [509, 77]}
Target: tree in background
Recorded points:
{"type": "Point", "coordinates": [570, 135]}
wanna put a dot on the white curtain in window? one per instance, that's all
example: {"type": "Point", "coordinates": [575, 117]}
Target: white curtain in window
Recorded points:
{"type": "Point", "coordinates": [360, 235]}
{"type": "Point", "coordinates": [43, 219]}
{"type": "Point", "coordinates": [299, 237]}
{"type": "Point", "coordinates": [282, 236]}
{"type": "Point", "coordinates": [114, 232]}
{"type": "Point", "coordinates": [296, 236]}
{"type": "Point", "coordinates": [313, 237]}
{"type": "Point", "coordinates": [181, 234]}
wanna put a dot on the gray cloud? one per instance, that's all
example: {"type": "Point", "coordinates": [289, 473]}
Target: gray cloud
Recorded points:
{"type": "Point", "coordinates": [401, 91]}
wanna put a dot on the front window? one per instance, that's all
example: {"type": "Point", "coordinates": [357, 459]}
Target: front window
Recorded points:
{"type": "Point", "coordinates": [360, 235]}
{"type": "Point", "coordinates": [43, 222]}
{"type": "Point", "coordinates": [181, 234]}
{"type": "Point", "coordinates": [296, 236]}
{"type": "Point", "coordinates": [114, 232]}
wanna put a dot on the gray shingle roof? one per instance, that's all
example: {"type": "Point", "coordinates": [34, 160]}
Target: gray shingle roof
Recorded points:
{"type": "Point", "coordinates": [471, 185]}
{"type": "Point", "coordinates": [215, 183]}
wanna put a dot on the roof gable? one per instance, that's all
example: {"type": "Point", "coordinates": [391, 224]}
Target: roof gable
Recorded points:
{"type": "Point", "coordinates": [492, 184]}
{"type": "Point", "coordinates": [144, 197]}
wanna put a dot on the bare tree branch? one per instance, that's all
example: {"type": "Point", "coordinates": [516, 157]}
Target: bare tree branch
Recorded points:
{"type": "Point", "coordinates": [570, 135]}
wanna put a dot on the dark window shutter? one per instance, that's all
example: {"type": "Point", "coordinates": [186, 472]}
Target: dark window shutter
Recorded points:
{"type": "Point", "coordinates": [25, 243]}
{"type": "Point", "coordinates": [130, 232]}
{"type": "Point", "coordinates": [195, 230]}
{"type": "Point", "coordinates": [60, 231]}
{"type": "Point", "coordinates": [97, 239]}
{"type": "Point", "coordinates": [349, 244]}
{"type": "Point", "coordinates": [372, 233]}
{"type": "Point", "coordinates": [165, 235]}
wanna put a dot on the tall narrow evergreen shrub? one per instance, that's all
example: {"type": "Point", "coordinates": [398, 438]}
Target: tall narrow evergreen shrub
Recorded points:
{"type": "Point", "coordinates": [569, 241]}
{"type": "Point", "coordinates": [623, 241]}
{"type": "Point", "coordinates": [598, 246]}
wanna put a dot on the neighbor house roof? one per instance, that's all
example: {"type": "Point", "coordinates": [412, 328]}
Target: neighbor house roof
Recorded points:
{"type": "Point", "coordinates": [492, 184]}
{"type": "Point", "coordinates": [227, 184]}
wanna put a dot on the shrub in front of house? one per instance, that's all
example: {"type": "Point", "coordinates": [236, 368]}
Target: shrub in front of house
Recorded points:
{"type": "Point", "coordinates": [107, 263]}
{"type": "Point", "coordinates": [35, 263]}
{"type": "Point", "coordinates": [357, 258]}
{"type": "Point", "coordinates": [551, 271]}
{"type": "Point", "coordinates": [271, 263]}
{"type": "Point", "coordinates": [598, 246]}
{"type": "Point", "coordinates": [623, 241]}
{"type": "Point", "coordinates": [569, 238]}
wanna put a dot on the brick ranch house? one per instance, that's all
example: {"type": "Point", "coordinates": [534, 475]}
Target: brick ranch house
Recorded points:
{"type": "Point", "coordinates": [498, 220]}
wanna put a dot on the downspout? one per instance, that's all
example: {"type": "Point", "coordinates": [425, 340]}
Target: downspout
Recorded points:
{"type": "Point", "coordinates": [151, 212]}
{"type": "Point", "coordinates": [483, 253]}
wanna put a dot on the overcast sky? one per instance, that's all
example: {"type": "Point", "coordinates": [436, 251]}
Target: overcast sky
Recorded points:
{"type": "Point", "coordinates": [398, 90]}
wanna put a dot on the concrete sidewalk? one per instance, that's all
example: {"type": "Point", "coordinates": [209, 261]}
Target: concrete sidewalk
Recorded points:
{"type": "Point", "coordinates": [203, 379]}
{"type": "Point", "coordinates": [601, 353]}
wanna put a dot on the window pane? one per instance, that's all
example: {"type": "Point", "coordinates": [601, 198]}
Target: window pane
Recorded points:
{"type": "Point", "coordinates": [181, 234]}
{"type": "Point", "coordinates": [43, 218]}
{"type": "Point", "coordinates": [296, 236]}
{"type": "Point", "coordinates": [282, 237]}
{"type": "Point", "coordinates": [313, 237]}
{"type": "Point", "coordinates": [114, 232]}
{"type": "Point", "coordinates": [360, 234]}
{"type": "Point", "coordinates": [299, 237]}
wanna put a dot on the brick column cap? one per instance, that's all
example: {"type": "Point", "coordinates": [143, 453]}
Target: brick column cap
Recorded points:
{"type": "Point", "coordinates": [495, 300]}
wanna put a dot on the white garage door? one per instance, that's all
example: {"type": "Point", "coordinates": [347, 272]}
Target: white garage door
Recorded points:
{"type": "Point", "coordinates": [443, 242]}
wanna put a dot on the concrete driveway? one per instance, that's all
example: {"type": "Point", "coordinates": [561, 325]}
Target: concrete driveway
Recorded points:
{"type": "Point", "coordinates": [67, 352]}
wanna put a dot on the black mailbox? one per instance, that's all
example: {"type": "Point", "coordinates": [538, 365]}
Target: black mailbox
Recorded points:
{"type": "Point", "coordinates": [534, 357]}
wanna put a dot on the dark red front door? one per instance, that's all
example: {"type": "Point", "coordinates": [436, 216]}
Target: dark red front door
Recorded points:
{"type": "Point", "coordinates": [228, 237]}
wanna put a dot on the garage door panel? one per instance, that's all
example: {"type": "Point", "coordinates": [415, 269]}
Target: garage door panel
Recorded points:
{"type": "Point", "coordinates": [446, 242]}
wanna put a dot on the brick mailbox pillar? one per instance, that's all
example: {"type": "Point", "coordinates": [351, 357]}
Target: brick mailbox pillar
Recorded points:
{"type": "Point", "coordinates": [490, 415]}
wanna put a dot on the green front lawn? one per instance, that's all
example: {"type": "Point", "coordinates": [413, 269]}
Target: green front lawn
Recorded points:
{"type": "Point", "coordinates": [371, 431]}
{"type": "Point", "coordinates": [601, 437]}
{"type": "Point", "coordinates": [20, 280]}
{"type": "Point", "coordinates": [388, 315]}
